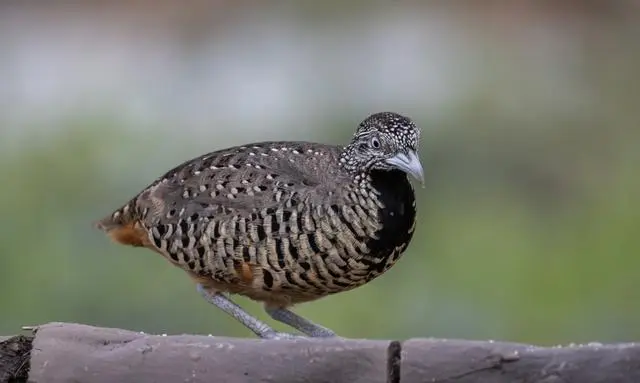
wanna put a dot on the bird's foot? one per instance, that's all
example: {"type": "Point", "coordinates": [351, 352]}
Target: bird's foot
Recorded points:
{"type": "Point", "coordinates": [276, 335]}
{"type": "Point", "coordinates": [322, 332]}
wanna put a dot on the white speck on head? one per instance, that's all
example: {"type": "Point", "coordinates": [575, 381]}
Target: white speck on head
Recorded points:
{"type": "Point", "coordinates": [309, 150]}
{"type": "Point", "coordinates": [213, 167]}
{"type": "Point", "coordinates": [196, 172]}
{"type": "Point", "coordinates": [264, 154]}
{"type": "Point", "coordinates": [234, 191]}
{"type": "Point", "coordinates": [256, 188]}
{"type": "Point", "coordinates": [219, 187]}
{"type": "Point", "coordinates": [252, 154]}
{"type": "Point", "coordinates": [244, 182]}
{"type": "Point", "coordinates": [291, 160]}
{"type": "Point", "coordinates": [258, 167]}
{"type": "Point", "coordinates": [232, 166]}
{"type": "Point", "coordinates": [274, 149]}
{"type": "Point", "coordinates": [248, 164]}
{"type": "Point", "coordinates": [295, 152]}
{"type": "Point", "coordinates": [202, 188]}
{"type": "Point", "coordinates": [256, 147]}
{"type": "Point", "coordinates": [284, 149]}
{"type": "Point", "coordinates": [269, 177]}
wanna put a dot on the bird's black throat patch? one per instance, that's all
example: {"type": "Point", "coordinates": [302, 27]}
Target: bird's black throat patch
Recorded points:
{"type": "Point", "coordinates": [398, 214]}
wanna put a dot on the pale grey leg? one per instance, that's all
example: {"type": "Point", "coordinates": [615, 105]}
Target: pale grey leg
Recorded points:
{"type": "Point", "coordinates": [225, 304]}
{"type": "Point", "coordinates": [299, 323]}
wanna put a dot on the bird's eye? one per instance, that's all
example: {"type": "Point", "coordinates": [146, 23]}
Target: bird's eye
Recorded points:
{"type": "Point", "coordinates": [375, 143]}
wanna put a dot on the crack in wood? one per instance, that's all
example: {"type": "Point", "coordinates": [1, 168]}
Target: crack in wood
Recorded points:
{"type": "Point", "coordinates": [394, 359]}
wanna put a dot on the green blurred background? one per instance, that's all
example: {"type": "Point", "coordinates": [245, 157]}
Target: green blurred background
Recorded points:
{"type": "Point", "coordinates": [529, 223]}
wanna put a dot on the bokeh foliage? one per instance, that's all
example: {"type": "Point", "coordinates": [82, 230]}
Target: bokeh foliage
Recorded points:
{"type": "Point", "coordinates": [528, 224]}
{"type": "Point", "coordinates": [519, 237]}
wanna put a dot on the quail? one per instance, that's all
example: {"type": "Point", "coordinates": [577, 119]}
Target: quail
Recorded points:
{"type": "Point", "coordinates": [282, 222]}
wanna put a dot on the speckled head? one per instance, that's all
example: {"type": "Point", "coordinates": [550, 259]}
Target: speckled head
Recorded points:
{"type": "Point", "coordinates": [397, 127]}
{"type": "Point", "coordinates": [385, 141]}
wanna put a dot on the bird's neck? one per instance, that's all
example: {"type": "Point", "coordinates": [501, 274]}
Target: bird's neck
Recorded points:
{"type": "Point", "coordinates": [355, 168]}
{"type": "Point", "coordinates": [348, 160]}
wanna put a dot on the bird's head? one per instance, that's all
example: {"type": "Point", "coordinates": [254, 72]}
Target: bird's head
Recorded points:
{"type": "Point", "coordinates": [384, 141]}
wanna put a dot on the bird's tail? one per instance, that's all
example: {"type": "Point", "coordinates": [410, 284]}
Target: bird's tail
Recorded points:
{"type": "Point", "coordinates": [119, 218]}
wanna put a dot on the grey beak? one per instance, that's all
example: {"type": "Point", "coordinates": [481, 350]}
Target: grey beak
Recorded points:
{"type": "Point", "coordinates": [409, 163]}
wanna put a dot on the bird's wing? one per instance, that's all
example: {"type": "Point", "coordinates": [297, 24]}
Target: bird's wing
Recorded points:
{"type": "Point", "coordinates": [241, 181]}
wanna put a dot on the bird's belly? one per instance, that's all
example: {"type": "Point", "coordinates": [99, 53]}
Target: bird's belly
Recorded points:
{"type": "Point", "coordinates": [336, 268]}
{"type": "Point", "coordinates": [281, 296]}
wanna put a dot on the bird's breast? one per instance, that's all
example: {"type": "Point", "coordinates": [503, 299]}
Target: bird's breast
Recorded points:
{"type": "Point", "coordinates": [394, 216]}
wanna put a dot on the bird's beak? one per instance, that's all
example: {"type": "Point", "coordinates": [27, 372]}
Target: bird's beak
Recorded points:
{"type": "Point", "coordinates": [408, 163]}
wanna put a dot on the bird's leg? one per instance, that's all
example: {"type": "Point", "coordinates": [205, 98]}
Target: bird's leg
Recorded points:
{"type": "Point", "coordinates": [225, 304]}
{"type": "Point", "coordinates": [299, 323]}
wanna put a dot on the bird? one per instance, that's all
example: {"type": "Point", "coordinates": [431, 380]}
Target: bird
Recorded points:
{"type": "Point", "coordinates": [282, 222]}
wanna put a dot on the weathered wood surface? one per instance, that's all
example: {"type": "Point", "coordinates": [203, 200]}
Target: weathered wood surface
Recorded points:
{"type": "Point", "coordinates": [64, 352]}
